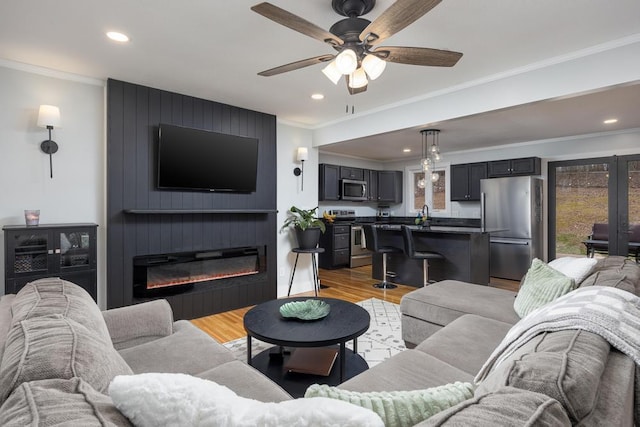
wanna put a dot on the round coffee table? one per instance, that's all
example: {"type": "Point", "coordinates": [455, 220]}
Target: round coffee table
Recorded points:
{"type": "Point", "coordinates": [346, 321]}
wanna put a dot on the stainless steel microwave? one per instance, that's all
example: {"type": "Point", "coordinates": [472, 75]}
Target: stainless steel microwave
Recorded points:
{"type": "Point", "coordinates": [351, 189]}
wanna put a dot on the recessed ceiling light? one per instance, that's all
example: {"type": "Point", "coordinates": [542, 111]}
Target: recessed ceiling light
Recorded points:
{"type": "Point", "coordinates": [317, 96]}
{"type": "Point", "coordinates": [406, 150]}
{"type": "Point", "coordinates": [610, 121]}
{"type": "Point", "coordinates": [116, 36]}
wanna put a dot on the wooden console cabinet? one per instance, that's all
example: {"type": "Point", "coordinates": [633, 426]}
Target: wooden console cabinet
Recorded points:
{"type": "Point", "coordinates": [67, 251]}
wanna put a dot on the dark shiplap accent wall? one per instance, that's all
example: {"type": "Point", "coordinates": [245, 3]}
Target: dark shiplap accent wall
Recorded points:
{"type": "Point", "coordinates": [133, 115]}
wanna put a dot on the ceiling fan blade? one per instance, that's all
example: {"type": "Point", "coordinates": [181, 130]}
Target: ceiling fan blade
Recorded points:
{"type": "Point", "coordinates": [399, 15]}
{"type": "Point", "coordinates": [418, 56]}
{"type": "Point", "coordinates": [296, 65]}
{"type": "Point", "coordinates": [354, 91]}
{"type": "Point", "coordinates": [296, 23]}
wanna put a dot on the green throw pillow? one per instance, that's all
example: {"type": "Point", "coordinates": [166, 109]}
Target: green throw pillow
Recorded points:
{"type": "Point", "coordinates": [400, 408]}
{"type": "Point", "coordinates": [541, 285]}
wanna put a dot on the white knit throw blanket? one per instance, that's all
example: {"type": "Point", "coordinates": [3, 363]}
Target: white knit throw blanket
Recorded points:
{"type": "Point", "coordinates": [612, 313]}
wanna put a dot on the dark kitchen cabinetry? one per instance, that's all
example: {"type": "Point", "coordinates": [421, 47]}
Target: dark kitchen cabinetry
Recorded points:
{"type": "Point", "coordinates": [336, 242]}
{"type": "Point", "coordinates": [514, 167]}
{"type": "Point", "coordinates": [371, 178]}
{"type": "Point", "coordinates": [329, 180]}
{"type": "Point", "coordinates": [390, 186]}
{"type": "Point", "coordinates": [465, 181]}
{"type": "Point", "coordinates": [347, 172]}
{"type": "Point", "coordinates": [67, 251]}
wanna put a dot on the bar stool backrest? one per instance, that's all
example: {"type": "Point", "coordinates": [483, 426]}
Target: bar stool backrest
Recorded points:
{"type": "Point", "coordinates": [371, 237]}
{"type": "Point", "coordinates": [409, 246]}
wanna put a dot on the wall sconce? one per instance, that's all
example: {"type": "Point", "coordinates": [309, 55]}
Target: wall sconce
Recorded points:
{"type": "Point", "coordinates": [49, 117]}
{"type": "Point", "coordinates": [302, 155]}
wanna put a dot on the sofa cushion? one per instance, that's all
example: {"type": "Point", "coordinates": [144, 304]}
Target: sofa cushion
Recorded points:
{"type": "Point", "coordinates": [408, 370]}
{"type": "Point", "coordinates": [400, 408]}
{"type": "Point", "coordinates": [155, 399]}
{"type": "Point", "coordinates": [617, 272]}
{"type": "Point", "coordinates": [541, 285]}
{"type": "Point", "coordinates": [565, 365]}
{"type": "Point", "coordinates": [5, 318]}
{"type": "Point", "coordinates": [576, 268]}
{"type": "Point", "coordinates": [58, 402]}
{"type": "Point", "coordinates": [452, 343]}
{"type": "Point", "coordinates": [443, 302]}
{"type": "Point", "coordinates": [188, 350]}
{"type": "Point", "coordinates": [246, 381]}
{"type": "Point", "coordinates": [505, 407]}
{"type": "Point", "coordinates": [53, 295]}
{"type": "Point", "coordinates": [57, 347]}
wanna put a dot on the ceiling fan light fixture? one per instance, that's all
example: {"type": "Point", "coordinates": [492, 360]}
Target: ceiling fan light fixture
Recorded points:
{"type": "Point", "coordinates": [347, 61]}
{"type": "Point", "coordinates": [374, 66]}
{"type": "Point", "coordinates": [332, 72]}
{"type": "Point", "coordinates": [358, 79]}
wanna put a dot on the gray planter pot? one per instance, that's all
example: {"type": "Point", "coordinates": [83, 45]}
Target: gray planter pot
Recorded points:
{"type": "Point", "coordinates": [309, 238]}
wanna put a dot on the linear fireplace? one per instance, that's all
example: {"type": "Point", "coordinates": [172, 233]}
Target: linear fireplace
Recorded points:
{"type": "Point", "coordinates": [167, 274]}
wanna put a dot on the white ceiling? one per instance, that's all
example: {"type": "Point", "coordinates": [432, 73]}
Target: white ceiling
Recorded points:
{"type": "Point", "coordinates": [214, 50]}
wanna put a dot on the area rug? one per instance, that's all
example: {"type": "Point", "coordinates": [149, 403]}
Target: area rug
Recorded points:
{"type": "Point", "coordinates": [381, 341]}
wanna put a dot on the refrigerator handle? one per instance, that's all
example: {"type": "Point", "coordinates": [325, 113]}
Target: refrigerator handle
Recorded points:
{"type": "Point", "coordinates": [483, 223]}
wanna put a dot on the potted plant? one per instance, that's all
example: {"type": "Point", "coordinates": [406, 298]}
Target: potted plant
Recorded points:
{"type": "Point", "coordinates": [307, 226]}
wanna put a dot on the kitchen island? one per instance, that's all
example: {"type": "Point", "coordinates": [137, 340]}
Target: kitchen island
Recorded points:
{"type": "Point", "coordinates": [465, 250]}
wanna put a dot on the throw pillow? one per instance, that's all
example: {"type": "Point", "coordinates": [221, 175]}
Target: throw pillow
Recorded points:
{"type": "Point", "coordinates": [400, 408]}
{"type": "Point", "coordinates": [507, 406]}
{"type": "Point", "coordinates": [57, 347]}
{"type": "Point", "coordinates": [45, 297]}
{"type": "Point", "coordinates": [57, 402]}
{"type": "Point", "coordinates": [576, 268]}
{"type": "Point", "coordinates": [155, 399]}
{"type": "Point", "coordinates": [541, 285]}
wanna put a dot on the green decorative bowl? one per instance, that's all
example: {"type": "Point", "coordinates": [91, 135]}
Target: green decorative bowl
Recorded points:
{"type": "Point", "coordinates": [311, 309]}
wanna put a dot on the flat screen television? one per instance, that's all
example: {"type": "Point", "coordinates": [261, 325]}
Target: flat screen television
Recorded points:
{"type": "Point", "coordinates": [196, 159]}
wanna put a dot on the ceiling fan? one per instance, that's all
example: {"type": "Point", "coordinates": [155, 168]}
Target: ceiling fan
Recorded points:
{"type": "Point", "coordinates": [356, 40]}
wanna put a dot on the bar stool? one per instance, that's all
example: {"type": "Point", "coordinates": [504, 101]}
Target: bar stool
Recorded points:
{"type": "Point", "coordinates": [314, 264]}
{"type": "Point", "coordinates": [372, 243]}
{"type": "Point", "coordinates": [411, 252]}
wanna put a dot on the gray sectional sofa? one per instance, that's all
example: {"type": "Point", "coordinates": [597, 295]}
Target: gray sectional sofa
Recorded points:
{"type": "Point", "coordinates": [59, 350]}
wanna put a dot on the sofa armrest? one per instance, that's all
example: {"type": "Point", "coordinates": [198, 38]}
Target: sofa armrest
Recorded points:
{"type": "Point", "coordinates": [136, 324]}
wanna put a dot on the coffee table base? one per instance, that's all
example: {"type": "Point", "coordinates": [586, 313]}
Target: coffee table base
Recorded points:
{"type": "Point", "coordinates": [296, 384]}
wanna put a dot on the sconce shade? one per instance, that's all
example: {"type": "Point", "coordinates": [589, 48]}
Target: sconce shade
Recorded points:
{"type": "Point", "coordinates": [49, 115]}
{"type": "Point", "coordinates": [303, 154]}
{"type": "Point", "coordinates": [332, 72]}
{"type": "Point", "coordinates": [374, 66]}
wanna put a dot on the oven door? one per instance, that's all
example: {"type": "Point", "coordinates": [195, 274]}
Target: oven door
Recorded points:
{"type": "Point", "coordinates": [360, 255]}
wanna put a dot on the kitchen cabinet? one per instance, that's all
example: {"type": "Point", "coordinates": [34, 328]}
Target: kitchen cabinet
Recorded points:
{"type": "Point", "coordinates": [371, 178]}
{"type": "Point", "coordinates": [347, 172]}
{"type": "Point", "coordinates": [514, 167]}
{"type": "Point", "coordinates": [465, 181]}
{"type": "Point", "coordinates": [390, 186]}
{"type": "Point", "coordinates": [67, 251]}
{"type": "Point", "coordinates": [336, 241]}
{"type": "Point", "coordinates": [329, 182]}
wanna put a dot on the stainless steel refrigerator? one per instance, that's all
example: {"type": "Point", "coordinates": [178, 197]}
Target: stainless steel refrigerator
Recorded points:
{"type": "Point", "coordinates": [512, 213]}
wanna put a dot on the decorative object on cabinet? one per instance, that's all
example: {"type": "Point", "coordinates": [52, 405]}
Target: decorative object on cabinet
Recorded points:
{"type": "Point", "coordinates": [67, 251]}
{"type": "Point", "coordinates": [301, 156]}
{"type": "Point", "coordinates": [49, 117]}
{"type": "Point", "coordinates": [32, 217]}
{"type": "Point", "coordinates": [307, 226]}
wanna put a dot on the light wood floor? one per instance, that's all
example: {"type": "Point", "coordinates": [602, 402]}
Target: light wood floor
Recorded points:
{"type": "Point", "coordinates": [349, 284]}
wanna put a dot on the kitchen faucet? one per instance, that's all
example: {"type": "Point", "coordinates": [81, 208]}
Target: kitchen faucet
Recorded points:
{"type": "Point", "coordinates": [425, 210]}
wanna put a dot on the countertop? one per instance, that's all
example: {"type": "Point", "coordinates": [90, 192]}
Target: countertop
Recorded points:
{"type": "Point", "coordinates": [439, 229]}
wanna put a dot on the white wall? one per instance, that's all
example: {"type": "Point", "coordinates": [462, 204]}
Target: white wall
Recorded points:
{"type": "Point", "coordinates": [290, 192]}
{"type": "Point", "coordinates": [77, 191]}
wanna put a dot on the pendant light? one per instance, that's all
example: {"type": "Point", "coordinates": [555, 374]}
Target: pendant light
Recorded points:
{"type": "Point", "coordinates": [430, 154]}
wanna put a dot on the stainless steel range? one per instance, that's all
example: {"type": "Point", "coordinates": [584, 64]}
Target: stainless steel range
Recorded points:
{"type": "Point", "coordinates": [359, 255]}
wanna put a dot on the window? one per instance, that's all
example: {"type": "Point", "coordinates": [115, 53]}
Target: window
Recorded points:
{"type": "Point", "coordinates": [434, 194]}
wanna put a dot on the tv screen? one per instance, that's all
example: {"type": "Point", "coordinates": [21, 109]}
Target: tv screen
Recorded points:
{"type": "Point", "coordinates": [195, 159]}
